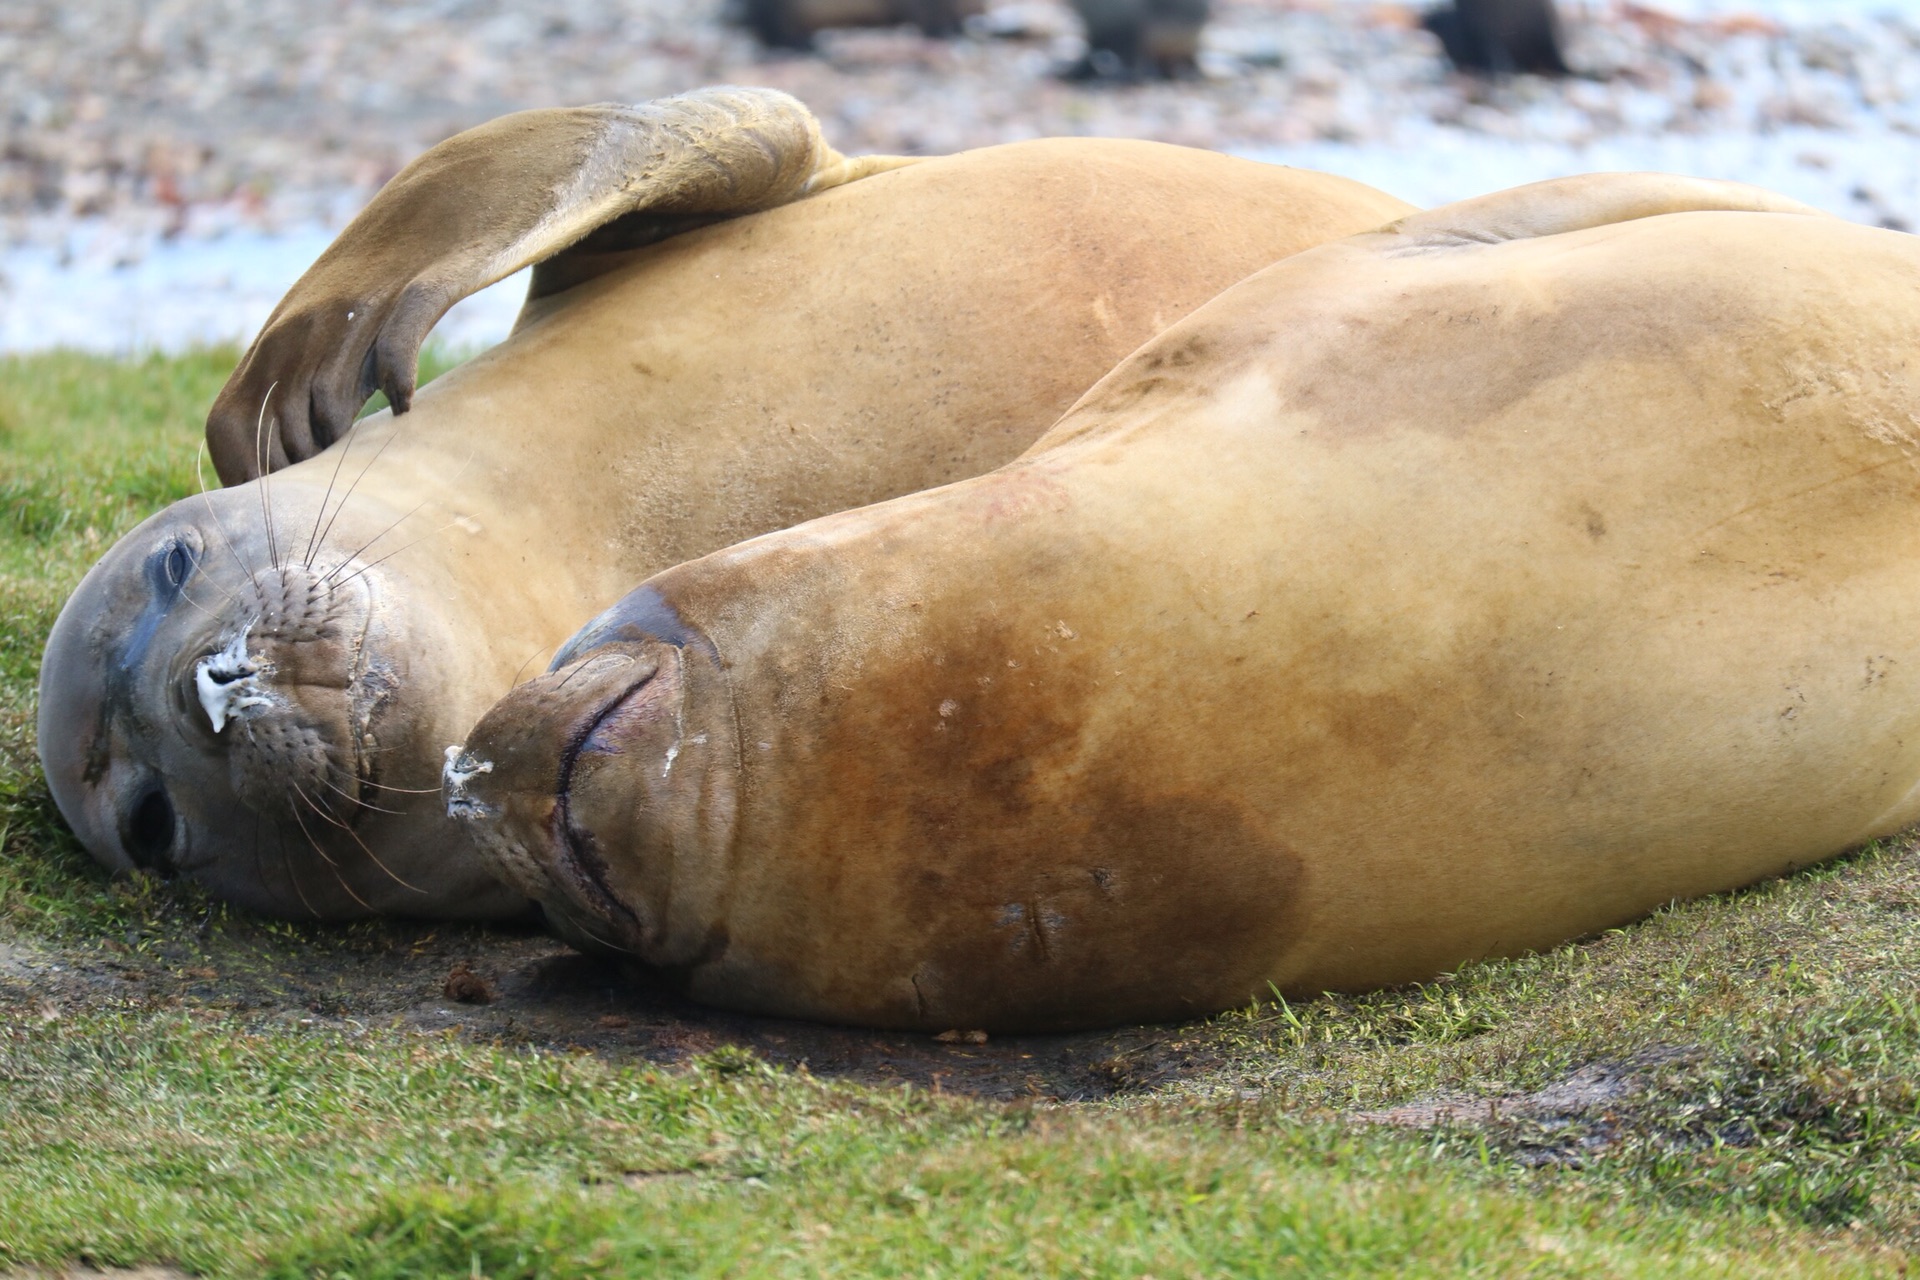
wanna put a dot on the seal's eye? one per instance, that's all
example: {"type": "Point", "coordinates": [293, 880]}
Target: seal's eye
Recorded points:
{"type": "Point", "coordinates": [179, 564]}
{"type": "Point", "coordinates": [150, 830]}
{"type": "Point", "coordinates": [169, 565]}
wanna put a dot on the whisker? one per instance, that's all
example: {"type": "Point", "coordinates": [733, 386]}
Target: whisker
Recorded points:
{"type": "Point", "coordinates": [357, 840]}
{"type": "Point", "coordinates": [396, 524]}
{"type": "Point", "coordinates": [350, 798]}
{"type": "Point", "coordinates": [322, 852]}
{"type": "Point", "coordinates": [393, 433]}
{"type": "Point", "coordinates": [530, 657]}
{"type": "Point", "coordinates": [578, 667]}
{"type": "Point", "coordinates": [263, 455]}
{"type": "Point", "coordinates": [319, 810]}
{"type": "Point", "coordinates": [611, 946]}
{"type": "Point", "coordinates": [396, 551]}
{"type": "Point", "coordinates": [381, 786]}
{"type": "Point", "coordinates": [196, 604]}
{"type": "Point", "coordinates": [231, 598]}
{"type": "Point", "coordinates": [375, 538]}
{"type": "Point", "coordinates": [314, 540]}
{"type": "Point", "coordinates": [292, 874]}
{"type": "Point", "coordinates": [199, 470]}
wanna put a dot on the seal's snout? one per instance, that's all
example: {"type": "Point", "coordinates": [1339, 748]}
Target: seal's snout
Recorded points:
{"type": "Point", "coordinates": [514, 781]}
{"type": "Point", "coordinates": [286, 691]}
{"type": "Point", "coordinates": [523, 750]}
{"type": "Point", "coordinates": [604, 790]}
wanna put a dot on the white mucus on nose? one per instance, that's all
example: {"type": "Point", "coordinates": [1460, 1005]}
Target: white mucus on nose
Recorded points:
{"type": "Point", "coordinates": [460, 770]}
{"type": "Point", "coordinates": [228, 683]}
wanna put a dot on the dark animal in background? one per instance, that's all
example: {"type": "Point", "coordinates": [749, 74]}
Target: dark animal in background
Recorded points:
{"type": "Point", "coordinates": [1501, 37]}
{"type": "Point", "coordinates": [1138, 39]}
{"type": "Point", "coordinates": [791, 24]}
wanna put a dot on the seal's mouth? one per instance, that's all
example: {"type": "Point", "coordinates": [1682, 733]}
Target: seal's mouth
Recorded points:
{"type": "Point", "coordinates": [579, 857]}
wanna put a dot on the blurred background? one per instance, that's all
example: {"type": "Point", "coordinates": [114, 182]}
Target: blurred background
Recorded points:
{"type": "Point", "coordinates": [168, 168]}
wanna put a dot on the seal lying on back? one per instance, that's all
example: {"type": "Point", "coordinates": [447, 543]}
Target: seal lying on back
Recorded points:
{"type": "Point", "coordinates": [1443, 593]}
{"type": "Point", "coordinates": [256, 686]}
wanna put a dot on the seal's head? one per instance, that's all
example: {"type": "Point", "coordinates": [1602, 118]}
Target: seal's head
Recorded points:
{"type": "Point", "coordinates": [605, 789]}
{"type": "Point", "coordinates": [213, 704]}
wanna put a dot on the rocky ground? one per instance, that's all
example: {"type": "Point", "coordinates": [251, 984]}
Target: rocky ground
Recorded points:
{"type": "Point", "coordinates": [192, 116]}
{"type": "Point", "coordinates": [168, 168]}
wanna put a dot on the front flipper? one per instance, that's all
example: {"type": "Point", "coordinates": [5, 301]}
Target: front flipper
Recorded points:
{"type": "Point", "coordinates": [480, 206]}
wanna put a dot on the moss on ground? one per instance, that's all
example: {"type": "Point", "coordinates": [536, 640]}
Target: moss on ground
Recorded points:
{"type": "Point", "coordinates": [1727, 1087]}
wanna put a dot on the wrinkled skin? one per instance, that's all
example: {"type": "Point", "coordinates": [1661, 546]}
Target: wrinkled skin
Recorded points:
{"type": "Point", "coordinates": [1447, 592]}
{"type": "Point", "coordinates": [899, 331]}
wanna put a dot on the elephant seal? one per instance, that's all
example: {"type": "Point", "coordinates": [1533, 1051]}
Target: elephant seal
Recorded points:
{"type": "Point", "coordinates": [256, 687]}
{"type": "Point", "coordinates": [1501, 37]}
{"type": "Point", "coordinates": [1443, 593]}
{"type": "Point", "coordinates": [792, 24]}
{"type": "Point", "coordinates": [1138, 39]}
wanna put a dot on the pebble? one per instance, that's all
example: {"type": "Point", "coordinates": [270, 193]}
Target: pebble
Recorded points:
{"type": "Point", "coordinates": [127, 130]}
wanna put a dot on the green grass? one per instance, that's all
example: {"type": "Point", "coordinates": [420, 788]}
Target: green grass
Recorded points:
{"type": "Point", "coordinates": [1770, 1042]}
{"type": "Point", "coordinates": [136, 1136]}
{"type": "Point", "coordinates": [89, 447]}
{"type": "Point", "coordinates": [1776, 1032]}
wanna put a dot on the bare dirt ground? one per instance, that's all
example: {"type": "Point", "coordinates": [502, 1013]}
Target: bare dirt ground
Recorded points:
{"type": "Point", "coordinates": [515, 986]}
{"type": "Point", "coordinates": [520, 987]}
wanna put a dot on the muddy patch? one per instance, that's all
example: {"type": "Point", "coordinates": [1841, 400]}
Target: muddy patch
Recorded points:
{"type": "Point", "coordinates": [1576, 1116]}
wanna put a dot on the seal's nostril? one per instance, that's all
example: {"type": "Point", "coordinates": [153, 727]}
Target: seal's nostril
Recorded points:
{"type": "Point", "coordinates": [458, 774]}
{"type": "Point", "coordinates": [226, 683]}
{"type": "Point", "coordinates": [150, 832]}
